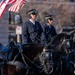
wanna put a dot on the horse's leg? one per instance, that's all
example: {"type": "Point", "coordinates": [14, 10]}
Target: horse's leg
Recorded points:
{"type": "Point", "coordinates": [10, 70]}
{"type": "Point", "coordinates": [2, 69]}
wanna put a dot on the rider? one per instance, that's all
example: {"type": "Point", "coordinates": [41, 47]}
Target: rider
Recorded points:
{"type": "Point", "coordinates": [48, 28]}
{"type": "Point", "coordinates": [31, 30]}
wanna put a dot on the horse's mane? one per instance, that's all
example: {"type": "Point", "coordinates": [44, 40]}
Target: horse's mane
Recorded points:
{"type": "Point", "coordinates": [56, 38]}
{"type": "Point", "coordinates": [71, 33]}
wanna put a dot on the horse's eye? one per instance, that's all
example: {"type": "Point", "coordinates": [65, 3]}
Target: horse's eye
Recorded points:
{"type": "Point", "coordinates": [47, 54]}
{"type": "Point", "coordinates": [44, 49]}
{"type": "Point", "coordinates": [67, 44]}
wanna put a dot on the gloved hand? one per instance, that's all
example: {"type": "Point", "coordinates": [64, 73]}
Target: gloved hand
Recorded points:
{"type": "Point", "coordinates": [44, 42]}
{"type": "Point", "coordinates": [33, 40]}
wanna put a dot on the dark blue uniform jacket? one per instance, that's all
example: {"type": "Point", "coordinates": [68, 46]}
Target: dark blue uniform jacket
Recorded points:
{"type": "Point", "coordinates": [49, 31]}
{"type": "Point", "coordinates": [32, 33]}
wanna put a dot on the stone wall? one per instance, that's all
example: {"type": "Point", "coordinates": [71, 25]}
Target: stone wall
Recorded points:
{"type": "Point", "coordinates": [4, 28]}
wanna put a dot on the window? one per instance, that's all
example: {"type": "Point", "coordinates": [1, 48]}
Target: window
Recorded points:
{"type": "Point", "coordinates": [11, 17]}
{"type": "Point", "coordinates": [15, 18]}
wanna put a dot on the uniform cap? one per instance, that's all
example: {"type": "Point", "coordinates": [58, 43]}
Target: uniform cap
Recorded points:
{"type": "Point", "coordinates": [49, 17]}
{"type": "Point", "coordinates": [33, 11]}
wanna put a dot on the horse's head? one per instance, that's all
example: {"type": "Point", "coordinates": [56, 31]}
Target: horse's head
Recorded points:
{"type": "Point", "coordinates": [52, 52]}
{"type": "Point", "coordinates": [46, 59]}
{"type": "Point", "coordinates": [67, 45]}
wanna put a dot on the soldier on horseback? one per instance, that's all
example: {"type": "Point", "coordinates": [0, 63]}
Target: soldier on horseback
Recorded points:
{"type": "Point", "coordinates": [31, 30]}
{"type": "Point", "coordinates": [48, 28]}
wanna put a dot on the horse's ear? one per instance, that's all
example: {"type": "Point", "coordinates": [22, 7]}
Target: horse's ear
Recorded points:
{"type": "Point", "coordinates": [71, 33]}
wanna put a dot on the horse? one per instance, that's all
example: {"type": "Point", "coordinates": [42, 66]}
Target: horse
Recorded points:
{"type": "Point", "coordinates": [22, 59]}
{"type": "Point", "coordinates": [59, 63]}
{"type": "Point", "coordinates": [71, 53]}
{"type": "Point", "coordinates": [70, 46]}
{"type": "Point", "coordinates": [72, 36]}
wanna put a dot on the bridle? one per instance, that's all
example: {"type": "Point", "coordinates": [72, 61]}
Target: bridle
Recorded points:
{"type": "Point", "coordinates": [46, 59]}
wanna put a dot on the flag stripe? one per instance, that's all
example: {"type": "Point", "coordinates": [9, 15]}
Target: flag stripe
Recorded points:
{"type": "Point", "coordinates": [3, 7]}
{"type": "Point", "coordinates": [1, 2]}
{"type": "Point", "coordinates": [12, 7]}
{"type": "Point", "coordinates": [15, 7]}
{"type": "Point", "coordinates": [19, 6]}
{"type": "Point", "coordinates": [12, 1]}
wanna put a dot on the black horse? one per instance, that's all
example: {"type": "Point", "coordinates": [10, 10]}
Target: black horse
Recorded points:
{"type": "Point", "coordinates": [70, 46]}
{"type": "Point", "coordinates": [60, 65]}
{"type": "Point", "coordinates": [22, 60]}
{"type": "Point", "coordinates": [71, 53]}
{"type": "Point", "coordinates": [34, 59]}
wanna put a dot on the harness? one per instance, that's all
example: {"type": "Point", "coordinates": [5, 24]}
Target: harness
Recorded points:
{"type": "Point", "coordinates": [46, 59]}
{"type": "Point", "coordinates": [24, 57]}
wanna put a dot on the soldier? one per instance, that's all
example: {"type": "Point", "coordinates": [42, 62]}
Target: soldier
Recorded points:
{"type": "Point", "coordinates": [31, 30]}
{"type": "Point", "coordinates": [48, 28]}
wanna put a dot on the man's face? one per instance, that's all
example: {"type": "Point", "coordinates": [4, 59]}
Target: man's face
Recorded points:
{"type": "Point", "coordinates": [50, 21]}
{"type": "Point", "coordinates": [33, 16]}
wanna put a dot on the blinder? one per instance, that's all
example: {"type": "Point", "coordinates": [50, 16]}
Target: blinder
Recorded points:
{"type": "Point", "coordinates": [47, 54]}
{"type": "Point", "coordinates": [68, 43]}
{"type": "Point", "coordinates": [47, 60]}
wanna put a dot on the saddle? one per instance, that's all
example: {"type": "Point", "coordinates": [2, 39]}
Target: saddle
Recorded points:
{"type": "Point", "coordinates": [4, 49]}
{"type": "Point", "coordinates": [3, 52]}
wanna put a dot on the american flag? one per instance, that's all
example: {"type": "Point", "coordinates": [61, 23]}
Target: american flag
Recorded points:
{"type": "Point", "coordinates": [16, 6]}
{"type": "Point", "coordinates": [12, 1]}
{"type": "Point", "coordinates": [1, 2]}
{"type": "Point", "coordinates": [3, 5]}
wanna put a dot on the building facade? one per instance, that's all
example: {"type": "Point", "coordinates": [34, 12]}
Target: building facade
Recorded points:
{"type": "Point", "coordinates": [4, 28]}
{"type": "Point", "coordinates": [8, 25]}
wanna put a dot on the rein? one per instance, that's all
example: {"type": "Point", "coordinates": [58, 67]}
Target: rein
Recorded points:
{"type": "Point", "coordinates": [23, 58]}
{"type": "Point", "coordinates": [23, 55]}
{"type": "Point", "coordinates": [18, 63]}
